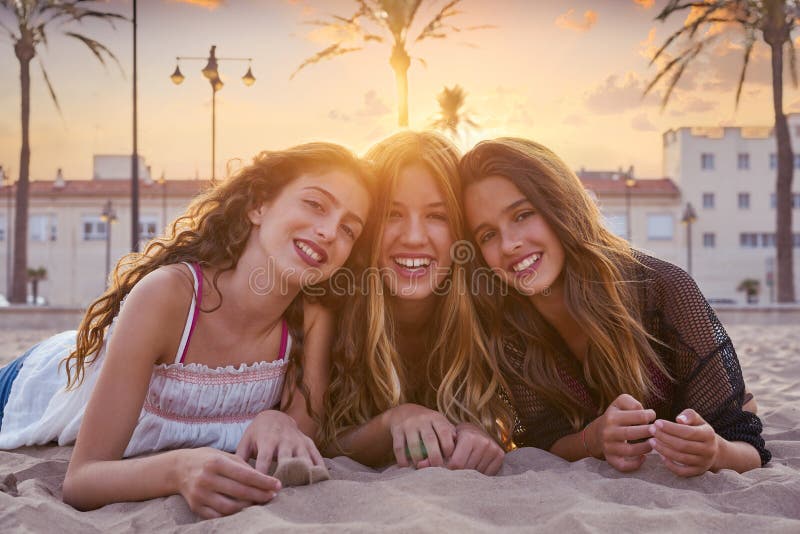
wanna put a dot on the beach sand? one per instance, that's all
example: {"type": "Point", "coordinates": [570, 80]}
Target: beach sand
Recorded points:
{"type": "Point", "coordinates": [535, 491]}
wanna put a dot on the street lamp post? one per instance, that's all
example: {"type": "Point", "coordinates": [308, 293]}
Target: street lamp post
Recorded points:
{"type": "Point", "coordinates": [689, 217]}
{"type": "Point", "coordinates": [163, 182]}
{"type": "Point", "coordinates": [6, 177]}
{"type": "Point", "coordinates": [630, 182]}
{"type": "Point", "coordinates": [108, 216]}
{"type": "Point", "coordinates": [211, 72]}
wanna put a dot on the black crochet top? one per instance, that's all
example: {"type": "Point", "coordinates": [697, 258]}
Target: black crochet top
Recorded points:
{"type": "Point", "coordinates": [696, 351]}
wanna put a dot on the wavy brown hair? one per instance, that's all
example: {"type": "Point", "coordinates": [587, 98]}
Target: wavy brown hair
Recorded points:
{"type": "Point", "coordinates": [598, 294]}
{"type": "Point", "coordinates": [368, 376]}
{"type": "Point", "coordinates": [213, 232]}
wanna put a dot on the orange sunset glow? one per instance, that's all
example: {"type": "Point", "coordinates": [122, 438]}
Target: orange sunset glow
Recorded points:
{"type": "Point", "coordinates": [569, 74]}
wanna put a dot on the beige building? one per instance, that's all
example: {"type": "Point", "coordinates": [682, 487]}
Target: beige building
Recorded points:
{"type": "Point", "coordinates": [68, 236]}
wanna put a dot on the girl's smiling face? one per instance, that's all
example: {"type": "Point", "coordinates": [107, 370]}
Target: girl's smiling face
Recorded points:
{"type": "Point", "coordinates": [415, 246]}
{"type": "Point", "coordinates": [515, 240]}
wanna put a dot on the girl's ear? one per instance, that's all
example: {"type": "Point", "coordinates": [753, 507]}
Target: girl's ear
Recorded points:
{"type": "Point", "coordinates": [257, 214]}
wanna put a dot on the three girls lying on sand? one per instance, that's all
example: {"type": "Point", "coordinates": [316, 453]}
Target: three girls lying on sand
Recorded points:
{"type": "Point", "coordinates": [484, 304]}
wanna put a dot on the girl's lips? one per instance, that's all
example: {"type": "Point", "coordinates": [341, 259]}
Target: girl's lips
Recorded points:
{"type": "Point", "coordinates": [530, 269]}
{"type": "Point", "coordinates": [412, 272]}
{"type": "Point", "coordinates": [300, 244]}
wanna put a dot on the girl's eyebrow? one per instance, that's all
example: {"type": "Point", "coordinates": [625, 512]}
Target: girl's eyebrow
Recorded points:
{"type": "Point", "coordinates": [510, 207]}
{"type": "Point", "coordinates": [335, 202]}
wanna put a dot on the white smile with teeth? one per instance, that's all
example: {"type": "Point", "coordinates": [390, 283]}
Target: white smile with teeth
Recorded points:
{"type": "Point", "coordinates": [527, 262]}
{"type": "Point", "coordinates": [308, 250]}
{"type": "Point", "coordinates": [413, 263]}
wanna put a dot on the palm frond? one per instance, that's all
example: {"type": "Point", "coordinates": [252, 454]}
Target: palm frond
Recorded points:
{"type": "Point", "coordinates": [97, 48]}
{"type": "Point", "coordinates": [676, 76]}
{"type": "Point", "coordinates": [332, 51]}
{"type": "Point", "coordinates": [435, 26]}
{"type": "Point", "coordinates": [748, 50]}
{"type": "Point", "coordinates": [792, 62]}
{"type": "Point", "coordinates": [50, 87]}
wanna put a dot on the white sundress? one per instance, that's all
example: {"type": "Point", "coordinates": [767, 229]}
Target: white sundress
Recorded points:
{"type": "Point", "coordinates": [186, 406]}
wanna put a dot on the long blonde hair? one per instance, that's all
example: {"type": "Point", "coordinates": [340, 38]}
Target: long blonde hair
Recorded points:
{"type": "Point", "coordinates": [213, 232]}
{"type": "Point", "coordinates": [368, 375]}
{"type": "Point", "coordinates": [598, 293]}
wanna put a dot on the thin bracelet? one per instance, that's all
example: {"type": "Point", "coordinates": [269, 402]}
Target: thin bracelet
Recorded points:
{"type": "Point", "coordinates": [583, 440]}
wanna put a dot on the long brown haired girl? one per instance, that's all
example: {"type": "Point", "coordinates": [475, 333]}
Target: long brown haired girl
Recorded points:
{"type": "Point", "coordinates": [195, 338]}
{"type": "Point", "coordinates": [411, 376]}
{"type": "Point", "coordinates": [609, 352]}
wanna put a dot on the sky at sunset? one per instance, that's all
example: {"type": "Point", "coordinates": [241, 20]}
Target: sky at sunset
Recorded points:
{"type": "Point", "coordinates": [566, 73]}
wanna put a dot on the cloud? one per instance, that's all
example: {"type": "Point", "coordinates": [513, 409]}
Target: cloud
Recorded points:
{"type": "Point", "coordinates": [373, 105]}
{"type": "Point", "coordinates": [642, 123]}
{"type": "Point", "coordinates": [698, 105]}
{"type": "Point", "coordinates": [567, 22]}
{"type": "Point", "coordinates": [647, 4]}
{"type": "Point", "coordinates": [648, 48]}
{"type": "Point", "coordinates": [337, 115]}
{"type": "Point", "coordinates": [617, 94]}
{"type": "Point", "coordinates": [208, 4]}
{"type": "Point", "coordinates": [574, 120]}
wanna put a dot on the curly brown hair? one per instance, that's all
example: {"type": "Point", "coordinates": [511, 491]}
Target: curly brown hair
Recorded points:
{"type": "Point", "coordinates": [213, 232]}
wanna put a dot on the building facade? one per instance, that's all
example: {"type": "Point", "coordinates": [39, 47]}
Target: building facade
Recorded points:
{"type": "Point", "coordinates": [728, 175]}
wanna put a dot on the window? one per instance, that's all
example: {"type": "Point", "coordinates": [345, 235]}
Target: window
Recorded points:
{"type": "Point", "coordinates": [617, 223]}
{"type": "Point", "coordinates": [773, 200]}
{"type": "Point", "coordinates": [767, 240]}
{"type": "Point", "coordinates": [797, 129]}
{"type": "Point", "coordinates": [148, 227]}
{"type": "Point", "coordinates": [709, 240]}
{"type": "Point", "coordinates": [42, 228]}
{"type": "Point", "coordinates": [707, 161]}
{"type": "Point", "coordinates": [94, 229]}
{"type": "Point", "coordinates": [660, 226]}
{"type": "Point", "coordinates": [773, 161]}
{"type": "Point", "coordinates": [744, 201]}
{"type": "Point", "coordinates": [748, 240]}
{"type": "Point", "coordinates": [708, 200]}
{"type": "Point", "coordinates": [797, 161]}
{"type": "Point", "coordinates": [743, 161]}
{"type": "Point", "coordinates": [796, 200]}
{"type": "Point", "coordinates": [796, 240]}
{"type": "Point", "coordinates": [3, 223]}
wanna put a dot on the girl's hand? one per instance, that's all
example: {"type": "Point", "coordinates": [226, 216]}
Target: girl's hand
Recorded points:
{"type": "Point", "coordinates": [216, 483]}
{"type": "Point", "coordinates": [625, 420]}
{"type": "Point", "coordinates": [688, 447]}
{"type": "Point", "coordinates": [414, 426]}
{"type": "Point", "coordinates": [274, 435]}
{"type": "Point", "coordinates": [475, 449]}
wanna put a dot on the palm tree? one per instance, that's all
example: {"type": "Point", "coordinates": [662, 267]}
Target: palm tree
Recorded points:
{"type": "Point", "coordinates": [32, 18]}
{"type": "Point", "coordinates": [392, 17]}
{"type": "Point", "coordinates": [452, 116]}
{"type": "Point", "coordinates": [774, 20]}
{"type": "Point", "coordinates": [751, 287]}
{"type": "Point", "coordinates": [34, 277]}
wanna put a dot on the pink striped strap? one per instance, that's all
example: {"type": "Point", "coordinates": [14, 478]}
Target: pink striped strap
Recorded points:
{"type": "Point", "coordinates": [284, 340]}
{"type": "Point", "coordinates": [198, 297]}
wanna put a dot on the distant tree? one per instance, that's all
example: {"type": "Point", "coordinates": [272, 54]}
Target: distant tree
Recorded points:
{"type": "Point", "coordinates": [773, 21]}
{"type": "Point", "coordinates": [452, 117]}
{"type": "Point", "coordinates": [372, 22]}
{"type": "Point", "coordinates": [751, 288]}
{"type": "Point", "coordinates": [32, 19]}
{"type": "Point", "coordinates": [34, 277]}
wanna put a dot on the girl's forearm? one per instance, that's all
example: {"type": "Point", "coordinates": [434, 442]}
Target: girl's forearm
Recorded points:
{"type": "Point", "coordinates": [93, 484]}
{"type": "Point", "coordinates": [737, 455]}
{"type": "Point", "coordinates": [571, 447]}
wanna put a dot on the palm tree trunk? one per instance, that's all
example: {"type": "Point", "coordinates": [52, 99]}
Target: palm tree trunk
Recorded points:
{"type": "Point", "coordinates": [19, 291]}
{"type": "Point", "coordinates": [783, 184]}
{"type": "Point", "coordinates": [400, 61]}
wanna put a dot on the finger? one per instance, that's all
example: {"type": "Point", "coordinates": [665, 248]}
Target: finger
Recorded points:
{"type": "Point", "coordinates": [474, 459]}
{"type": "Point", "coordinates": [495, 465]}
{"type": "Point", "coordinates": [487, 458]}
{"type": "Point", "coordinates": [244, 450]}
{"type": "Point", "coordinates": [626, 402]}
{"type": "Point", "coordinates": [206, 512]}
{"type": "Point", "coordinates": [225, 505]}
{"type": "Point", "coordinates": [631, 417]}
{"type": "Point", "coordinates": [431, 442]}
{"type": "Point", "coordinates": [316, 456]}
{"type": "Point", "coordinates": [460, 455]}
{"type": "Point", "coordinates": [690, 417]}
{"type": "Point", "coordinates": [682, 470]}
{"type": "Point", "coordinates": [423, 464]}
{"type": "Point", "coordinates": [687, 432]}
{"type": "Point", "coordinates": [629, 433]}
{"type": "Point", "coordinates": [285, 451]}
{"type": "Point", "coordinates": [245, 474]}
{"type": "Point", "coordinates": [680, 444]}
{"type": "Point", "coordinates": [239, 491]}
{"type": "Point", "coordinates": [675, 455]}
{"type": "Point", "coordinates": [627, 450]}
{"type": "Point", "coordinates": [399, 447]}
{"type": "Point", "coordinates": [264, 458]}
{"type": "Point", "coordinates": [626, 464]}
{"type": "Point", "coordinates": [447, 437]}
